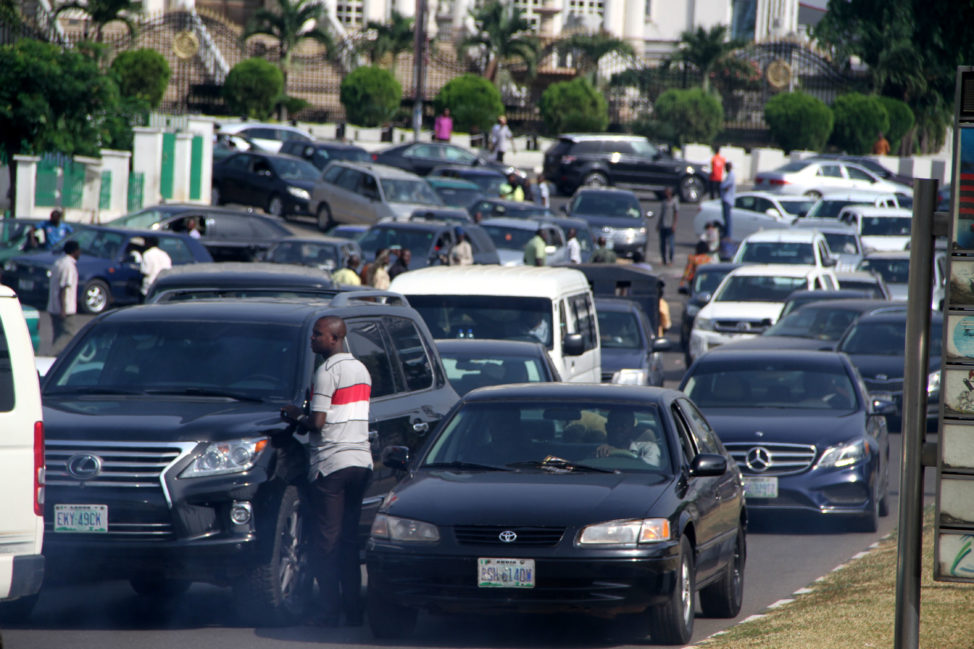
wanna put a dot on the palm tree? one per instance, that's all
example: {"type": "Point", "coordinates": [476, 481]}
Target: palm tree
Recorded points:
{"type": "Point", "coordinates": [292, 23]}
{"type": "Point", "coordinates": [588, 49]}
{"type": "Point", "coordinates": [395, 37]}
{"type": "Point", "coordinates": [503, 33]}
{"type": "Point", "coordinates": [704, 49]}
{"type": "Point", "coordinates": [103, 12]}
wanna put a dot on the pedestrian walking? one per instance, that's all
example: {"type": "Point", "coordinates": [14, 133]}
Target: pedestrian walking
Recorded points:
{"type": "Point", "coordinates": [154, 261]}
{"type": "Point", "coordinates": [534, 250]}
{"type": "Point", "coordinates": [727, 186]}
{"type": "Point", "coordinates": [717, 163]}
{"type": "Point", "coordinates": [574, 247]}
{"type": "Point", "coordinates": [666, 225]}
{"type": "Point", "coordinates": [340, 470]}
{"type": "Point", "coordinates": [348, 275]}
{"type": "Point", "coordinates": [542, 196]}
{"type": "Point", "coordinates": [443, 126]}
{"type": "Point", "coordinates": [501, 139]}
{"type": "Point", "coordinates": [62, 297]}
{"type": "Point", "coordinates": [603, 254]}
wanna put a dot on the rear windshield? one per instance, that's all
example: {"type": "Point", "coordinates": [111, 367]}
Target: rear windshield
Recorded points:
{"type": "Point", "coordinates": [778, 252]}
{"type": "Point", "coordinates": [486, 316]}
{"type": "Point", "coordinates": [760, 288]}
{"type": "Point", "coordinates": [886, 226]}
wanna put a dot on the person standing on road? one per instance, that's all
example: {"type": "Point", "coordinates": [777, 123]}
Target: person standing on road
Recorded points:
{"type": "Point", "coordinates": [881, 146]}
{"type": "Point", "coordinates": [717, 163]}
{"type": "Point", "coordinates": [443, 126]}
{"type": "Point", "coordinates": [501, 139]}
{"type": "Point", "coordinates": [543, 195]}
{"type": "Point", "coordinates": [55, 229]}
{"type": "Point", "coordinates": [701, 256]}
{"type": "Point", "coordinates": [341, 467]}
{"type": "Point", "coordinates": [461, 254]}
{"type": "Point", "coordinates": [574, 247]}
{"type": "Point", "coordinates": [154, 261]}
{"type": "Point", "coordinates": [62, 297]}
{"type": "Point", "coordinates": [727, 186]}
{"type": "Point", "coordinates": [603, 254]}
{"type": "Point", "coordinates": [347, 275]}
{"type": "Point", "coordinates": [401, 264]}
{"type": "Point", "coordinates": [666, 225]}
{"type": "Point", "coordinates": [534, 250]}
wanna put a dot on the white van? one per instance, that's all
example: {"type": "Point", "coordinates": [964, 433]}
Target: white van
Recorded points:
{"type": "Point", "coordinates": [880, 228]}
{"type": "Point", "coordinates": [552, 305]}
{"type": "Point", "coordinates": [21, 464]}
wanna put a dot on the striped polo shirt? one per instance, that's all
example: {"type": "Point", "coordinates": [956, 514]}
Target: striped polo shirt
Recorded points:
{"type": "Point", "coordinates": [341, 391]}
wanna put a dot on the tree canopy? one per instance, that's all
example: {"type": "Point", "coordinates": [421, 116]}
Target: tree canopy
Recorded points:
{"type": "Point", "coordinates": [103, 12]}
{"type": "Point", "coordinates": [704, 49]}
{"type": "Point", "coordinates": [292, 22]}
{"type": "Point", "coordinates": [392, 38]}
{"type": "Point", "coordinates": [589, 49]}
{"type": "Point", "coordinates": [503, 35]}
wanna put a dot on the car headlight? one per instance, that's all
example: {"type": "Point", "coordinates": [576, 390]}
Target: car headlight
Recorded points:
{"type": "Point", "coordinates": [631, 376]}
{"type": "Point", "coordinates": [298, 192]}
{"type": "Point", "coordinates": [404, 530]}
{"type": "Point", "coordinates": [703, 324]}
{"type": "Point", "coordinates": [226, 457]}
{"type": "Point", "coordinates": [640, 230]}
{"type": "Point", "coordinates": [626, 533]}
{"type": "Point", "coordinates": [844, 455]}
{"type": "Point", "coordinates": [933, 384]}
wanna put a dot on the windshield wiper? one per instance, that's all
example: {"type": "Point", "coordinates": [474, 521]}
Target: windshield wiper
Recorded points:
{"type": "Point", "coordinates": [208, 392]}
{"type": "Point", "coordinates": [473, 466]}
{"type": "Point", "coordinates": [561, 463]}
{"type": "Point", "coordinates": [92, 389]}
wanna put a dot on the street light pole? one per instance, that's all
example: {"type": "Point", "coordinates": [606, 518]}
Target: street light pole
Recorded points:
{"type": "Point", "coordinates": [419, 67]}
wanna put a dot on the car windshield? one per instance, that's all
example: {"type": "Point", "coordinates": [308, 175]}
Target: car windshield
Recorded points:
{"type": "Point", "coordinates": [886, 338]}
{"type": "Point", "coordinates": [486, 316]}
{"type": "Point", "coordinates": [611, 204]}
{"type": "Point", "coordinates": [781, 384]}
{"type": "Point", "coordinates": [620, 330]}
{"type": "Point", "coordinates": [419, 242]}
{"type": "Point", "coordinates": [759, 288]}
{"type": "Point", "coordinates": [707, 281]}
{"type": "Point", "coordinates": [507, 237]}
{"type": "Point", "coordinates": [14, 234]}
{"type": "Point", "coordinates": [777, 252]}
{"type": "Point", "coordinates": [829, 208]}
{"type": "Point", "coordinates": [306, 253]}
{"type": "Point", "coordinates": [458, 196]}
{"type": "Point", "coordinates": [886, 226]}
{"type": "Point", "coordinates": [871, 286]}
{"type": "Point", "coordinates": [141, 220]}
{"type": "Point", "coordinates": [406, 190]}
{"type": "Point", "coordinates": [553, 436]}
{"type": "Point", "coordinates": [894, 271]}
{"type": "Point", "coordinates": [467, 371]}
{"type": "Point", "coordinates": [97, 243]}
{"type": "Point", "coordinates": [842, 244]}
{"type": "Point", "coordinates": [811, 322]}
{"type": "Point", "coordinates": [791, 167]}
{"type": "Point", "coordinates": [797, 207]}
{"type": "Point", "coordinates": [255, 361]}
{"type": "Point", "coordinates": [295, 169]}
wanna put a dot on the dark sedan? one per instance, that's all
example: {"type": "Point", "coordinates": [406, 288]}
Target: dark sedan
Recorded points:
{"type": "Point", "coordinates": [250, 280]}
{"type": "Point", "coordinates": [630, 348]}
{"type": "Point", "coordinates": [422, 157]}
{"type": "Point", "coordinates": [321, 154]}
{"type": "Point", "coordinates": [429, 242]}
{"type": "Point", "coordinates": [804, 432]}
{"type": "Point", "coordinates": [495, 207]}
{"type": "Point", "coordinates": [596, 499]}
{"type": "Point", "coordinates": [107, 274]}
{"type": "Point", "coordinates": [455, 192]}
{"type": "Point", "coordinates": [326, 253]}
{"type": "Point", "coordinates": [614, 214]}
{"type": "Point", "coordinates": [472, 363]}
{"type": "Point", "coordinates": [280, 184]}
{"type": "Point", "coordinates": [489, 180]}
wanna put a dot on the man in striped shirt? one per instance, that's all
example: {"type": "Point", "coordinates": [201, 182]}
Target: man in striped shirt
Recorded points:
{"type": "Point", "coordinates": [341, 466]}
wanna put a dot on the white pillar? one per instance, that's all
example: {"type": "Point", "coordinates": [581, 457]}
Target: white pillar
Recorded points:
{"type": "Point", "coordinates": [614, 16]}
{"type": "Point", "coordinates": [182, 165]}
{"type": "Point", "coordinates": [26, 185]}
{"type": "Point", "coordinates": [634, 29]}
{"type": "Point", "coordinates": [147, 160]}
{"type": "Point", "coordinates": [90, 192]}
{"type": "Point", "coordinates": [117, 162]}
{"type": "Point", "coordinates": [199, 125]}
{"type": "Point", "coordinates": [374, 10]}
{"type": "Point", "coordinates": [461, 10]}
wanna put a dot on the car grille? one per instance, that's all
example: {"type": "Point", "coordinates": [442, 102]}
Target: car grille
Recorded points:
{"type": "Point", "coordinates": [491, 535]}
{"type": "Point", "coordinates": [742, 326]}
{"type": "Point", "coordinates": [777, 459]}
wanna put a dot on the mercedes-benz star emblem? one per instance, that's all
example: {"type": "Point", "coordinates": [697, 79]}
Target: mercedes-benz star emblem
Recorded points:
{"type": "Point", "coordinates": [83, 466]}
{"type": "Point", "coordinates": [758, 459]}
{"type": "Point", "coordinates": [507, 536]}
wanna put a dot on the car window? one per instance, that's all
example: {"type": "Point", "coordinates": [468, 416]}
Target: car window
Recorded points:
{"type": "Point", "coordinates": [773, 383]}
{"type": "Point", "coordinates": [554, 237]}
{"type": "Point", "coordinates": [812, 322]}
{"type": "Point", "coordinates": [177, 249]}
{"type": "Point", "coordinates": [260, 133]}
{"type": "Point", "coordinates": [239, 162]}
{"type": "Point", "coordinates": [703, 435]}
{"type": "Point", "coordinates": [759, 288]}
{"type": "Point", "coordinates": [413, 356]}
{"type": "Point", "coordinates": [744, 202]}
{"type": "Point", "coordinates": [453, 154]}
{"type": "Point", "coordinates": [294, 169]}
{"type": "Point", "coordinates": [95, 243]}
{"type": "Point", "coordinates": [418, 241]}
{"type": "Point", "coordinates": [763, 205]}
{"type": "Point", "coordinates": [894, 271]}
{"type": "Point", "coordinates": [612, 204]}
{"type": "Point", "coordinates": [586, 147]}
{"type": "Point", "coordinates": [350, 179]}
{"type": "Point", "coordinates": [366, 343]}
{"type": "Point", "coordinates": [683, 434]}
{"type": "Point", "coordinates": [261, 166]}
{"type": "Point", "coordinates": [842, 244]}
{"type": "Point", "coordinates": [407, 190]}
{"type": "Point", "coordinates": [618, 146]}
{"type": "Point", "coordinates": [424, 151]}
{"type": "Point", "coordinates": [707, 281]}
{"type": "Point", "coordinates": [332, 173]}
{"type": "Point", "coordinates": [886, 226]}
{"type": "Point", "coordinates": [468, 371]}
{"type": "Point", "coordinates": [584, 323]}
{"type": "Point", "coordinates": [777, 252]}
{"type": "Point", "coordinates": [619, 330]}
{"type": "Point", "coordinates": [513, 318]}
{"type": "Point", "coordinates": [830, 171]}
{"type": "Point", "coordinates": [224, 226]}
{"type": "Point", "coordinates": [859, 174]}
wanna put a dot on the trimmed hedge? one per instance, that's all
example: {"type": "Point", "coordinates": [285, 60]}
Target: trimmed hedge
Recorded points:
{"type": "Point", "coordinates": [901, 120]}
{"type": "Point", "coordinates": [142, 74]}
{"type": "Point", "coordinates": [859, 119]}
{"type": "Point", "coordinates": [253, 88]}
{"type": "Point", "coordinates": [370, 95]}
{"type": "Point", "coordinates": [691, 115]}
{"type": "Point", "coordinates": [474, 103]}
{"type": "Point", "coordinates": [798, 121]}
{"type": "Point", "coordinates": [573, 106]}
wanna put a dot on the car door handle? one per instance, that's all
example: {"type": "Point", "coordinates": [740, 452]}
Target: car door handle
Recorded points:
{"type": "Point", "coordinates": [421, 427]}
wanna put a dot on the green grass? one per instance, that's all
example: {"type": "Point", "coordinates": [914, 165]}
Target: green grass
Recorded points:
{"type": "Point", "coordinates": [854, 608]}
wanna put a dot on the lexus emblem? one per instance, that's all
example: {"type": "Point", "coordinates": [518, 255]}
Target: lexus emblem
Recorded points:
{"type": "Point", "coordinates": [758, 459]}
{"type": "Point", "coordinates": [507, 536]}
{"type": "Point", "coordinates": [83, 466]}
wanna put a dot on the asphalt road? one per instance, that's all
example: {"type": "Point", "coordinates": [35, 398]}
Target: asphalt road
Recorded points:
{"type": "Point", "coordinates": [783, 556]}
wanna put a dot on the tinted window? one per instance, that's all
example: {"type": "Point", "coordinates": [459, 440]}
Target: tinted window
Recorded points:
{"type": "Point", "coordinates": [294, 169]}
{"type": "Point", "coordinates": [366, 343]}
{"type": "Point", "coordinates": [95, 243]}
{"type": "Point", "coordinates": [407, 190]}
{"type": "Point", "coordinates": [707, 281]}
{"type": "Point", "coordinates": [859, 174]}
{"type": "Point", "coordinates": [703, 435]}
{"type": "Point", "coordinates": [771, 384]}
{"type": "Point", "coordinates": [581, 309]}
{"type": "Point", "coordinates": [832, 171]}
{"type": "Point", "coordinates": [6, 375]}
{"type": "Point", "coordinates": [468, 371]}
{"type": "Point", "coordinates": [486, 316]}
{"type": "Point", "coordinates": [413, 356]}
{"type": "Point", "coordinates": [582, 148]}
{"type": "Point", "coordinates": [778, 252]}
{"type": "Point", "coordinates": [331, 174]}
{"type": "Point", "coordinates": [811, 322]}
{"type": "Point", "coordinates": [760, 288]}
{"type": "Point", "coordinates": [886, 226]}
{"type": "Point", "coordinates": [612, 204]}
{"type": "Point", "coordinates": [177, 249]}
{"type": "Point", "coordinates": [229, 227]}
{"type": "Point", "coordinates": [842, 244]}
{"type": "Point", "coordinates": [885, 338]}
{"type": "Point", "coordinates": [620, 330]}
{"type": "Point", "coordinates": [350, 179]}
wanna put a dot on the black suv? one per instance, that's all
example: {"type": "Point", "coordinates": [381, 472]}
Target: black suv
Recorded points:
{"type": "Point", "coordinates": [168, 462]}
{"type": "Point", "coordinates": [623, 160]}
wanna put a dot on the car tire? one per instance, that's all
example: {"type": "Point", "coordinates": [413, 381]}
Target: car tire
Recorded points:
{"type": "Point", "coordinates": [869, 522]}
{"type": "Point", "coordinates": [691, 189]}
{"type": "Point", "coordinates": [277, 591]}
{"type": "Point", "coordinates": [275, 205]}
{"type": "Point", "coordinates": [18, 611]}
{"type": "Point", "coordinates": [672, 622]}
{"type": "Point", "coordinates": [158, 587]}
{"type": "Point", "coordinates": [724, 597]}
{"type": "Point", "coordinates": [884, 505]}
{"type": "Point", "coordinates": [388, 620]}
{"type": "Point", "coordinates": [95, 297]}
{"type": "Point", "coordinates": [596, 179]}
{"type": "Point", "coordinates": [216, 196]}
{"type": "Point", "coordinates": [323, 217]}
{"type": "Point", "coordinates": [813, 194]}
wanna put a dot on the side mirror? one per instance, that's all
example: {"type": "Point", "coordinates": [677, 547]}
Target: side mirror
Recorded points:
{"type": "Point", "coordinates": [573, 345]}
{"type": "Point", "coordinates": [662, 345]}
{"type": "Point", "coordinates": [650, 214]}
{"type": "Point", "coordinates": [704, 297]}
{"type": "Point", "coordinates": [880, 406]}
{"type": "Point", "coordinates": [830, 261]}
{"type": "Point", "coordinates": [396, 457]}
{"type": "Point", "coordinates": [708, 465]}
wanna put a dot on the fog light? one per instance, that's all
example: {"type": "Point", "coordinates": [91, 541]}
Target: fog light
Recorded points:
{"type": "Point", "coordinates": [241, 513]}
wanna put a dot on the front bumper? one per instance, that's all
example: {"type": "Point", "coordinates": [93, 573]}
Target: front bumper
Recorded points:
{"type": "Point", "coordinates": [26, 576]}
{"type": "Point", "coordinates": [830, 492]}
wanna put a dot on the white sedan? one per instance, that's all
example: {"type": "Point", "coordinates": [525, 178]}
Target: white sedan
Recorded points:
{"type": "Point", "coordinates": [753, 211]}
{"type": "Point", "coordinates": [814, 178]}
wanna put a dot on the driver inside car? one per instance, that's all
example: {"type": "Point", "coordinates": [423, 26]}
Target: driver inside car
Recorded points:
{"type": "Point", "coordinates": [624, 438]}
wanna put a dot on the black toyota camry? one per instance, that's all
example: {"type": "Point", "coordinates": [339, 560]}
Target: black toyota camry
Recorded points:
{"type": "Point", "coordinates": [610, 500]}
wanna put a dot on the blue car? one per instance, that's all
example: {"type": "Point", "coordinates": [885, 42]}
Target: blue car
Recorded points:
{"type": "Point", "coordinates": [631, 350]}
{"type": "Point", "coordinates": [107, 274]}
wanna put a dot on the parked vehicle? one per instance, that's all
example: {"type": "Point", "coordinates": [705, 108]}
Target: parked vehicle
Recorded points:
{"type": "Point", "coordinates": [614, 214]}
{"type": "Point", "coordinates": [830, 205]}
{"type": "Point", "coordinates": [19, 236]}
{"type": "Point", "coordinates": [233, 280]}
{"type": "Point", "coordinates": [472, 363]}
{"type": "Point", "coordinates": [753, 211]}
{"type": "Point", "coordinates": [871, 164]}
{"type": "Point", "coordinates": [880, 228]}
{"type": "Point", "coordinates": [325, 253]}
{"type": "Point", "coordinates": [422, 157]}
{"type": "Point", "coordinates": [321, 154]}
{"type": "Point", "coordinates": [631, 348]}
{"type": "Point", "coordinates": [269, 137]}
{"type": "Point", "coordinates": [798, 247]}
{"type": "Point", "coordinates": [631, 161]}
{"type": "Point", "coordinates": [510, 236]}
{"type": "Point", "coordinates": [488, 179]}
{"type": "Point", "coordinates": [894, 268]}
{"type": "Point", "coordinates": [589, 499]}
{"type": "Point", "coordinates": [455, 192]}
{"type": "Point", "coordinates": [815, 177]}
{"type": "Point", "coordinates": [279, 184]}
{"type": "Point", "coordinates": [706, 279]}
{"type": "Point", "coordinates": [843, 240]}
{"type": "Point", "coordinates": [429, 242]}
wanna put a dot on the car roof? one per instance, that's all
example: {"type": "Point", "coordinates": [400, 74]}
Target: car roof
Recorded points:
{"type": "Point", "coordinates": [242, 273]}
{"type": "Point", "coordinates": [235, 127]}
{"type": "Point", "coordinates": [616, 304]}
{"type": "Point", "coordinates": [888, 254]}
{"type": "Point", "coordinates": [728, 355]}
{"type": "Point", "coordinates": [425, 225]}
{"type": "Point", "coordinates": [381, 170]}
{"type": "Point", "coordinates": [517, 224]}
{"type": "Point", "coordinates": [781, 235]}
{"type": "Point", "coordinates": [872, 210]}
{"type": "Point", "coordinates": [824, 225]}
{"type": "Point", "coordinates": [583, 137]}
{"type": "Point", "coordinates": [897, 315]}
{"type": "Point", "coordinates": [604, 190]}
{"type": "Point", "coordinates": [777, 270]}
{"type": "Point", "coordinates": [484, 279]}
{"type": "Point", "coordinates": [489, 346]}
{"type": "Point", "coordinates": [857, 275]}
{"type": "Point", "coordinates": [856, 194]}
{"type": "Point", "coordinates": [577, 393]}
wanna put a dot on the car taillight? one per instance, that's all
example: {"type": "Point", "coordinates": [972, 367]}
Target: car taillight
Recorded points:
{"type": "Point", "coordinates": [776, 181]}
{"type": "Point", "coordinates": [39, 476]}
{"type": "Point", "coordinates": [375, 156]}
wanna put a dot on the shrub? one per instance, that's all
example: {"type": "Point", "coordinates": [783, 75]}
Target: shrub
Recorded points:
{"type": "Point", "coordinates": [142, 74]}
{"type": "Point", "coordinates": [370, 95]}
{"type": "Point", "coordinates": [901, 120]}
{"type": "Point", "coordinates": [253, 88]}
{"type": "Point", "coordinates": [798, 121]}
{"type": "Point", "coordinates": [858, 120]}
{"type": "Point", "coordinates": [573, 106]}
{"type": "Point", "coordinates": [474, 102]}
{"type": "Point", "coordinates": [691, 115]}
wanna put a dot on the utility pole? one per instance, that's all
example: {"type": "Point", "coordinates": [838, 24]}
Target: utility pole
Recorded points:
{"type": "Point", "coordinates": [419, 67]}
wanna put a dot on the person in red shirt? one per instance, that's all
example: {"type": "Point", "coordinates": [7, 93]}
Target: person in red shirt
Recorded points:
{"type": "Point", "coordinates": [716, 172]}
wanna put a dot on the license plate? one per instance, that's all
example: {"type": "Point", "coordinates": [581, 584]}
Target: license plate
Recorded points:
{"type": "Point", "coordinates": [81, 518]}
{"type": "Point", "coordinates": [25, 284]}
{"type": "Point", "coordinates": [505, 573]}
{"type": "Point", "coordinates": [761, 487]}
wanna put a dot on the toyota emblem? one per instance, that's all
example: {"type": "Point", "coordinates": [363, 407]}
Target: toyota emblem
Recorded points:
{"type": "Point", "coordinates": [758, 459]}
{"type": "Point", "coordinates": [83, 466]}
{"type": "Point", "coordinates": [507, 536]}
{"type": "Point", "coordinates": [743, 326]}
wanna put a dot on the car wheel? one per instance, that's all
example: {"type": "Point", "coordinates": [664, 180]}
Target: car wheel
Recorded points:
{"type": "Point", "coordinates": [884, 506]}
{"type": "Point", "coordinates": [324, 217]}
{"type": "Point", "coordinates": [95, 297]}
{"type": "Point", "coordinates": [18, 611]}
{"type": "Point", "coordinates": [691, 189]}
{"type": "Point", "coordinates": [277, 591]}
{"type": "Point", "coordinates": [275, 205]}
{"type": "Point", "coordinates": [672, 622]}
{"type": "Point", "coordinates": [596, 179]}
{"type": "Point", "coordinates": [869, 522]}
{"type": "Point", "coordinates": [216, 196]}
{"type": "Point", "coordinates": [813, 194]}
{"type": "Point", "coordinates": [157, 586]}
{"type": "Point", "coordinates": [724, 597]}
{"type": "Point", "coordinates": [389, 620]}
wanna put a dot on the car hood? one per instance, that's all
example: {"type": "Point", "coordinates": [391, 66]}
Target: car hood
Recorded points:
{"type": "Point", "coordinates": [160, 419]}
{"type": "Point", "coordinates": [741, 310]}
{"type": "Point", "coordinates": [616, 359]}
{"type": "Point", "coordinates": [597, 221]}
{"type": "Point", "coordinates": [779, 342]}
{"type": "Point", "coordinates": [785, 425]}
{"type": "Point", "coordinates": [531, 497]}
